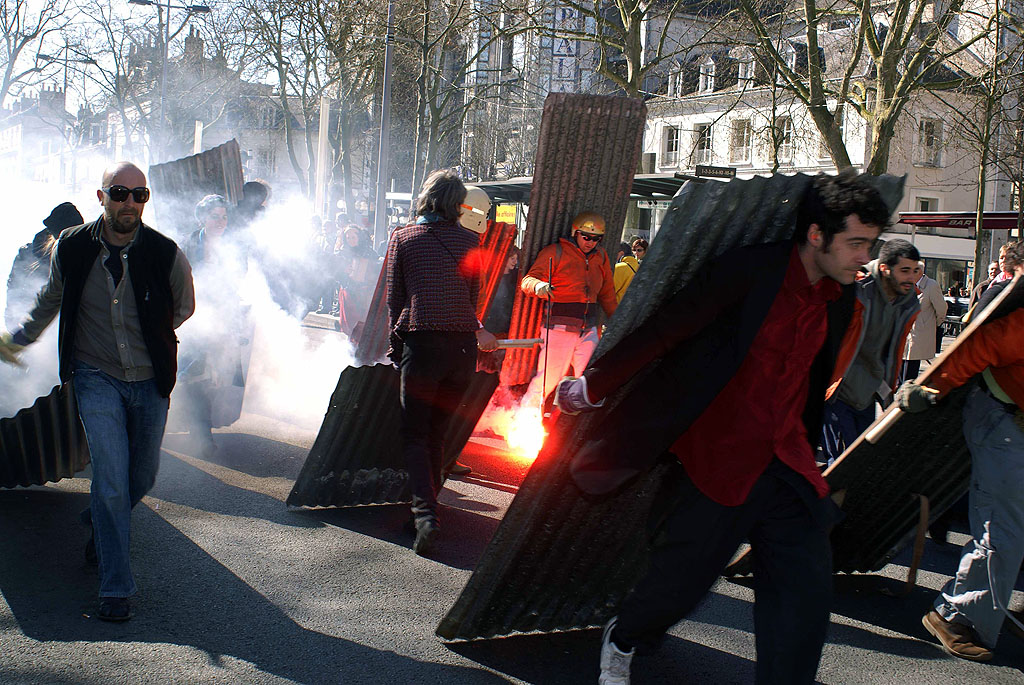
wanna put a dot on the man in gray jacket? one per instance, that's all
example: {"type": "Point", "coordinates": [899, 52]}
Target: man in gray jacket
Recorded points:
{"type": "Point", "coordinates": [121, 289]}
{"type": "Point", "coordinates": [885, 311]}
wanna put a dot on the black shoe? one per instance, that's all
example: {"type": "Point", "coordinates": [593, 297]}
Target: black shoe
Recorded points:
{"type": "Point", "coordinates": [939, 532]}
{"type": "Point", "coordinates": [458, 469]}
{"type": "Point", "coordinates": [426, 532]}
{"type": "Point", "coordinates": [115, 609]}
{"type": "Point", "coordinates": [90, 549]}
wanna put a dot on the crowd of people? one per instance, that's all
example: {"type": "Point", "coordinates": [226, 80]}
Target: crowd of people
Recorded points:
{"type": "Point", "coordinates": [819, 335]}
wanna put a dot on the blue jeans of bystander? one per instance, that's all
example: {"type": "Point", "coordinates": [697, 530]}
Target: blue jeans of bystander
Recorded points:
{"type": "Point", "coordinates": [990, 562]}
{"type": "Point", "coordinates": [124, 426]}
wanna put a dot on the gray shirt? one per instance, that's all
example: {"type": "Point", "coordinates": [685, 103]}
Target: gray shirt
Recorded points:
{"type": "Point", "coordinates": [867, 374]}
{"type": "Point", "coordinates": [109, 335]}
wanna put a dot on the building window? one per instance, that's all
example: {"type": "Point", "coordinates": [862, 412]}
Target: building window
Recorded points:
{"type": "Point", "coordinates": [266, 161]}
{"type": "Point", "coordinates": [929, 142]}
{"type": "Point", "coordinates": [675, 84]}
{"type": "Point", "coordinates": [840, 117]}
{"type": "Point", "coordinates": [927, 204]}
{"type": "Point", "coordinates": [702, 146]}
{"type": "Point", "coordinates": [784, 139]}
{"type": "Point", "coordinates": [739, 150]}
{"type": "Point", "coordinates": [670, 146]}
{"type": "Point", "coordinates": [707, 76]}
{"type": "Point", "coordinates": [745, 71]}
{"type": "Point", "coordinates": [790, 54]}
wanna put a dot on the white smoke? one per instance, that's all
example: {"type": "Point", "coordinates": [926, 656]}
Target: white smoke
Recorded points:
{"type": "Point", "coordinates": [26, 204]}
{"type": "Point", "coordinates": [292, 369]}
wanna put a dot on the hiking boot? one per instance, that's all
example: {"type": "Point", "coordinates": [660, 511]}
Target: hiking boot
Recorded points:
{"type": "Point", "coordinates": [957, 639]}
{"type": "Point", "coordinates": [614, 662]}
{"type": "Point", "coordinates": [426, 532]}
{"type": "Point", "coordinates": [114, 609]}
{"type": "Point", "coordinates": [458, 469]}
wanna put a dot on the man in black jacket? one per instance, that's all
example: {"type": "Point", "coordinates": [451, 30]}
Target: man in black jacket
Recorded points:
{"type": "Point", "coordinates": [121, 289]}
{"type": "Point", "coordinates": [746, 351]}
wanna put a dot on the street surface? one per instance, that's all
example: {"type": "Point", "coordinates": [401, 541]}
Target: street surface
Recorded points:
{"type": "Point", "coordinates": [235, 587]}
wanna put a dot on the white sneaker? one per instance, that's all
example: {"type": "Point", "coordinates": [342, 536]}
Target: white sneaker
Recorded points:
{"type": "Point", "coordinates": [614, 662]}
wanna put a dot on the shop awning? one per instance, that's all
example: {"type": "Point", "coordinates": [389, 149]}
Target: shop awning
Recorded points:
{"type": "Point", "coordinates": [645, 187]}
{"type": "Point", "coordinates": [992, 220]}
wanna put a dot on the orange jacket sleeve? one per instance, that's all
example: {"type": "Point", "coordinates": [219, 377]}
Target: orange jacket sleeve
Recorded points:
{"type": "Point", "coordinates": [538, 273]}
{"type": "Point", "coordinates": [607, 296]}
{"type": "Point", "coordinates": [999, 344]}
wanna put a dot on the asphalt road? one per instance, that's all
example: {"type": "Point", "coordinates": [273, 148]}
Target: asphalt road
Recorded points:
{"type": "Point", "coordinates": [236, 587]}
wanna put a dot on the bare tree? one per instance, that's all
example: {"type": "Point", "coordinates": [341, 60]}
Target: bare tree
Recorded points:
{"type": "Point", "coordinates": [892, 52]}
{"type": "Point", "coordinates": [26, 25]}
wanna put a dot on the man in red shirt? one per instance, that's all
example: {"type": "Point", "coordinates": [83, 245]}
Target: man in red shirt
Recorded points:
{"type": "Point", "coordinates": [747, 349]}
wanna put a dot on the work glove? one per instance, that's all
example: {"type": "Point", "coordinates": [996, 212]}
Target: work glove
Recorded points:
{"type": "Point", "coordinates": [542, 289]}
{"type": "Point", "coordinates": [571, 396]}
{"type": "Point", "coordinates": [914, 398]}
{"type": "Point", "coordinates": [9, 350]}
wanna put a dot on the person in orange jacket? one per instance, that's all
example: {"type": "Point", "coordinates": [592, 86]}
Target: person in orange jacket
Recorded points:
{"type": "Point", "coordinates": [971, 610]}
{"type": "Point", "coordinates": [574, 275]}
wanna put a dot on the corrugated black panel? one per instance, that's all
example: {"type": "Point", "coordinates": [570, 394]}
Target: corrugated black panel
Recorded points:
{"type": "Point", "coordinates": [43, 443]}
{"type": "Point", "coordinates": [180, 184]}
{"type": "Point", "coordinates": [587, 155]}
{"type": "Point", "coordinates": [561, 561]}
{"type": "Point", "coordinates": [357, 456]}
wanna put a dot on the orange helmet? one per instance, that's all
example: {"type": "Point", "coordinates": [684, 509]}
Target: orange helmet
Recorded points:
{"type": "Point", "coordinates": [589, 222]}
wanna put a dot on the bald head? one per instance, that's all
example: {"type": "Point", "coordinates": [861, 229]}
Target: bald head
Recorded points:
{"type": "Point", "coordinates": [118, 170]}
{"type": "Point", "coordinates": [121, 216]}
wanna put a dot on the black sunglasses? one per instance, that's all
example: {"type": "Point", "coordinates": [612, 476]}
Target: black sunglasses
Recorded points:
{"type": "Point", "coordinates": [121, 193]}
{"type": "Point", "coordinates": [590, 238]}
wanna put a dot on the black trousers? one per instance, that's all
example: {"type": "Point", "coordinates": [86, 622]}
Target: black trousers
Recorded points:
{"type": "Point", "coordinates": [437, 367]}
{"type": "Point", "coordinates": [787, 525]}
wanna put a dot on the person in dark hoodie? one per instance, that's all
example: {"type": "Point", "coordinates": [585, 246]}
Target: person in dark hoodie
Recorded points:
{"type": "Point", "coordinates": [31, 267]}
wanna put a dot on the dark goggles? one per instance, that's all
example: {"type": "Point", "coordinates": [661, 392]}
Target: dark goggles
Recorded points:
{"type": "Point", "coordinates": [589, 237]}
{"type": "Point", "coordinates": [121, 193]}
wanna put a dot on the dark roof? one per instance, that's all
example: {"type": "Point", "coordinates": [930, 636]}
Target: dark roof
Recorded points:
{"type": "Point", "coordinates": [645, 187]}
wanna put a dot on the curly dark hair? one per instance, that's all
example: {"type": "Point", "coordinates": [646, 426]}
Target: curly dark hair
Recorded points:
{"type": "Point", "coordinates": [831, 199]}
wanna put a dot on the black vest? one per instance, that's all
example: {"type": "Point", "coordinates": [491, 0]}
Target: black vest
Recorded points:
{"type": "Point", "coordinates": [150, 259]}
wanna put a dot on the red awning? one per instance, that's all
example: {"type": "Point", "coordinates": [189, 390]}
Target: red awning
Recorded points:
{"type": "Point", "coordinates": [992, 220]}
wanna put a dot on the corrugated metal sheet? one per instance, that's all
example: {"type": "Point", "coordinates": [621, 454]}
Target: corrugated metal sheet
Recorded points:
{"type": "Point", "coordinates": [43, 443]}
{"type": "Point", "coordinates": [357, 456]}
{"type": "Point", "coordinates": [495, 243]}
{"type": "Point", "coordinates": [587, 155]}
{"type": "Point", "coordinates": [179, 185]}
{"type": "Point", "coordinates": [560, 560]}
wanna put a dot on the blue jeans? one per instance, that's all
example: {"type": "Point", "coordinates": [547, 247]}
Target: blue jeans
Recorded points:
{"type": "Point", "coordinates": [990, 562]}
{"type": "Point", "coordinates": [842, 425]}
{"type": "Point", "coordinates": [124, 426]}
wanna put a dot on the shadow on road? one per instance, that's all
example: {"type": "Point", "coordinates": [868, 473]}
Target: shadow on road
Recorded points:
{"type": "Point", "coordinates": [463, 538]}
{"type": "Point", "coordinates": [251, 454]}
{"type": "Point", "coordinates": [569, 658]}
{"type": "Point", "coordinates": [188, 598]}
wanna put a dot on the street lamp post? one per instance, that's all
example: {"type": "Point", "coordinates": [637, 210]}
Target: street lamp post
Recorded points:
{"type": "Point", "coordinates": [380, 219]}
{"type": "Point", "coordinates": [164, 26]}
